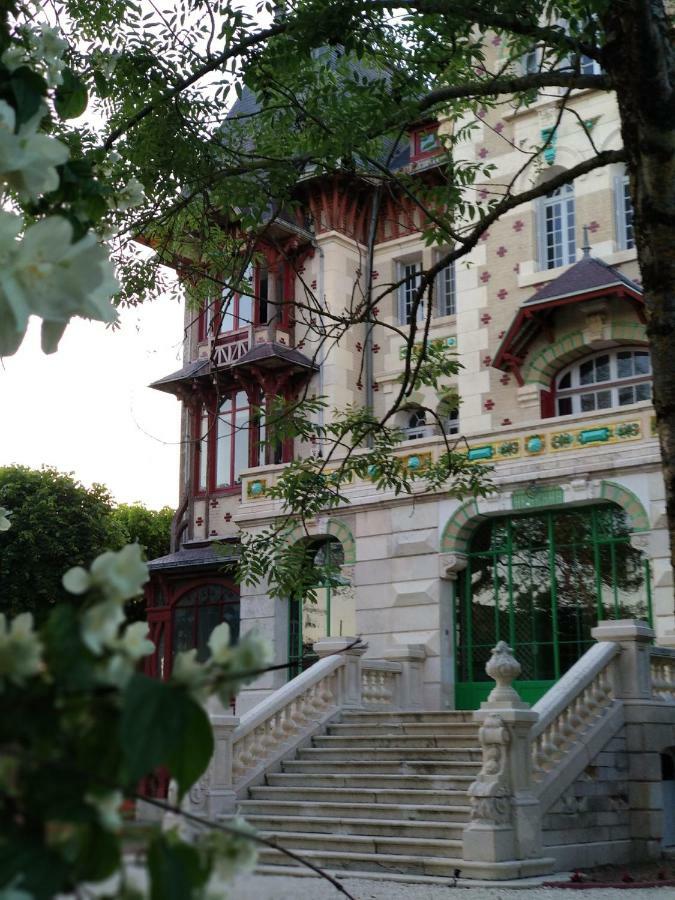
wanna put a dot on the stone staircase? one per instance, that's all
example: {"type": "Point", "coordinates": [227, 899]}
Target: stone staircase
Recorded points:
{"type": "Point", "coordinates": [379, 791]}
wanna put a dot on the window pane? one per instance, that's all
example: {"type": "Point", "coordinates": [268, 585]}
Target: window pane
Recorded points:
{"type": "Point", "coordinates": [626, 395]}
{"type": "Point", "coordinates": [642, 363]}
{"type": "Point", "coordinates": [586, 372]}
{"type": "Point", "coordinates": [565, 381]}
{"type": "Point", "coordinates": [203, 451]}
{"type": "Point", "coordinates": [565, 406]}
{"type": "Point", "coordinates": [587, 402]}
{"type": "Point", "coordinates": [263, 287]}
{"type": "Point", "coordinates": [643, 391]}
{"type": "Point", "coordinates": [224, 449]}
{"type": "Point", "coordinates": [245, 310]}
{"type": "Point", "coordinates": [602, 368]}
{"type": "Point", "coordinates": [445, 286]}
{"type": "Point", "coordinates": [241, 442]}
{"type": "Point", "coordinates": [227, 320]}
{"type": "Point", "coordinates": [603, 400]}
{"type": "Point", "coordinates": [624, 364]}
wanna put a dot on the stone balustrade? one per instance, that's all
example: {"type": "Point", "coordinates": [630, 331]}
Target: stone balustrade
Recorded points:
{"type": "Point", "coordinates": [662, 665]}
{"type": "Point", "coordinates": [570, 707]}
{"type": "Point", "coordinates": [380, 684]}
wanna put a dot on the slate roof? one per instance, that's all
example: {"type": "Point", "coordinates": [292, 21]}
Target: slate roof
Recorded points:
{"type": "Point", "coordinates": [274, 352]}
{"type": "Point", "coordinates": [589, 274]}
{"type": "Point", "coordinates": [196, 369]}
{"type": "Point", "coordinates": [586, 279]}
{"type": "Point", "coordinates": [190, 558]}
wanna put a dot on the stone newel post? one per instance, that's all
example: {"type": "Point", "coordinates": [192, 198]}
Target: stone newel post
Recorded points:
{"type": "Point", "coordinates": [351, 685]}
{"type": "Point", "coordinates": [505, 821]}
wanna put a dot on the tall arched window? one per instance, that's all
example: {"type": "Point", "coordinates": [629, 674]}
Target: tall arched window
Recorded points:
{"type": "Point", "coordinates": [196, 614]}
{"type": "Point", "coordinates": [607, 379]}
{"type": "Point", "coordinates": [329, 610]}
{"type": "Point", "coordinates": [556, 228]}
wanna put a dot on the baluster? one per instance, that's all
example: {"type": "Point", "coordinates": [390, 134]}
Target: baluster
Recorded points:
{"type": "Point", "coordinates": [326, 691]}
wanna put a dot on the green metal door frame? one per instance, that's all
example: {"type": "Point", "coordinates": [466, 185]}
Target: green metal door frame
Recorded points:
{"type": "Point", "coordinates": [471, 648]}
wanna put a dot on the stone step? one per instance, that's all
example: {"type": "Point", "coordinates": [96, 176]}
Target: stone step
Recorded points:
{"type": "Point", "coordinates": [375, 795]}
{"type": "Point", "coordinates": [404, 741]}
{"type": "Point", "coordinates": [406, 717]}
{"type": "Point", "coordinates": [384, 754]}
{"type": "Point", "coordinates": [414, 729]}
{"type": "Point", "coordinates": [361, 843]}
{"type": "Point", "coordinates": [395, 828]}
{"type": "Point", "coordinates": [343, 861]}
{"type": "Point", "coordinates": [377, 766]}
{"type": "Point", "coordinates": [371, 781]}
{"type": "Point", "coordinates": [368, 810]}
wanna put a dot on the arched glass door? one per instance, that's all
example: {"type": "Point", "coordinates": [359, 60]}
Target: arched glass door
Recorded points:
{"type": "Point", "coordinates": [540, 582]}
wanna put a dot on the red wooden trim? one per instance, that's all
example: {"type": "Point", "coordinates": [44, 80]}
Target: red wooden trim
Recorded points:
{"type": "Point", "coordinates": [415, 140]}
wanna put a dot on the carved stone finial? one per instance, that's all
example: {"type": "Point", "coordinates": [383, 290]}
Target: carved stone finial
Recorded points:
{"type": "Point", "coordinates": [504, 668]}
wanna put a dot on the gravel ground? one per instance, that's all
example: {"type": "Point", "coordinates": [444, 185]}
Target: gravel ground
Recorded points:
{"type": "Point", "coordinates": [276, 887]}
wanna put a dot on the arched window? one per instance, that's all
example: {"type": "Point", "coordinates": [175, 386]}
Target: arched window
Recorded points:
{"type": "Point", "coordinates": [329, 608]}
{"type": "Point", "coordinates": [556, 228]}
{"type": "Point", "coordinates": [607, 379]}
{"type": "Point", "coordinates": [416, 424]}
{"type": "Point", "coordinates": [196, 614]}
{"type": "Point", "coordinates": [448, 413]}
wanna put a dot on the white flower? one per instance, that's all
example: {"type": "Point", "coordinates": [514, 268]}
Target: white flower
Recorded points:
{"type": "Point", "coordinates": [134, 642]}
{"type": "Point", "coordinates": [118, 575]}
{"type": "Point", "coordinates": [50, 48]}
{"type": "Point", "coordinates": [233, 854]}
{"type": "Point", "coordinates": [28, 159]}
{"type": "Point", "coordinates": [47, 275]}
{"type": "Point", "coordinates": [219, 643]}
{"type": "Point", "coordinates": [100, 624]}
{"type": "Point", "coordinates": [108, 808]}
{"type": "Point", "coordinates": [132, 194]}
{"type": "Point", "coordinates": [190, 673]}
{"type": "Point", "coordinates": [5, 524]}
{"type": "Point", "coordinates": [20, 649]}
{"type": "Point", "coordinates": [253, 652]}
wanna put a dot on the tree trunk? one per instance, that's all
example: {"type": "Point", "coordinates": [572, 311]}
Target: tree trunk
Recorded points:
{"type": "Point", "coordinates": [640, 59]}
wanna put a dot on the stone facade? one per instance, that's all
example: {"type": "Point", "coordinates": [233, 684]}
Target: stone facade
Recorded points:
{"type": "Point", "coordinates": [408, 553]}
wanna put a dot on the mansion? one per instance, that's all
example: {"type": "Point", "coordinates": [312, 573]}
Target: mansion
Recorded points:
{"type": "Point", "coordinates": [546, 316]}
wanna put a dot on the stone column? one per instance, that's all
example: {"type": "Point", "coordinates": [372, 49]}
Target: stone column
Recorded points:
{"type": "Point", "coordinates": [351, 683]}
{"type": "Point", "coordinates": [505, 820]}
{"type": "Point", "coordinates": [449, 567]}
{"type": "Point", "coordinates": [648, 730]}
{"type": "Point", "coordinates": [411, 657]}
{"type": "Point", "coordinates": [633, 673]}
{"type": "Point", "coordinates": [221, 795]}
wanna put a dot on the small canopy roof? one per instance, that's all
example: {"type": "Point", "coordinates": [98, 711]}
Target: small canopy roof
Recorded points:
{"type": "Point", "coordinates": [189, 373]}
{"type": "Point", "coordinates": [196, 557]}
{"type": "Point", "coordinates": [588, 279]}
{"type": "Point", "coordinates": [272, 355]}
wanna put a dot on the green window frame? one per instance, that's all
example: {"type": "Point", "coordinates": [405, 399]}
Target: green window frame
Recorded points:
{"type": "Point", "coordinates": [540, 581]}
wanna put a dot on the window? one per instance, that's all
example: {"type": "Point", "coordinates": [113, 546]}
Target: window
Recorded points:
{"type": "Point", "coordinates": [410, 275]}
{"type": "Point", "coordinates": [235, 311]}
{"type": "Point", "coordinates": [331, 612]}
{"type": "Point", "coordinates": [416, 424]}
{"type": "Point", "coordinates": [530, 61]}
{"type": "Point", "coordinates": [232, 439]}
{"type": "Point", "coordinates": [424, 142]}
{"type": "Point", "coordinates": [624, 213]}
{"type": "Point", "coordinates": [608, 379]}
{"type": "Point", "coordinates": [588, 66]}
{"type": "Point", "coordinates": [557, 233]}
{"type": "Point", "coordinates": [446, 297]}
{"type": "Point", "coordinates": [197, 613]}
{"type": "Point", "coordinates": [226, 442]}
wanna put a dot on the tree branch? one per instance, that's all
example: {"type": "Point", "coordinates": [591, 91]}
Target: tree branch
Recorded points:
{"type": "Point", "coordinates": [212, 65]}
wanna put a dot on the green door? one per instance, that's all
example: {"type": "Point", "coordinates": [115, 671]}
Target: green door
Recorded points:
{"type": "Point", "coordinates": [540, 582]}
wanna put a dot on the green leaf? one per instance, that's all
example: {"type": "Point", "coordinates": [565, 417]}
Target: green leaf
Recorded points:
{"type": "Point", "coordinates": [162, 725]}
{"type": "Point", "coordinates": [71, 97]}
{"type": "Point", "coordinates": [28, 89]}
{"type": "Point", "coordinates": [98, 854]}
{"type": "Point", "coordinates": [175, 869]}
{"type": "Point", "coordinates": [27, 864]}
{"type": "Point", "coordinates": [69, 661]}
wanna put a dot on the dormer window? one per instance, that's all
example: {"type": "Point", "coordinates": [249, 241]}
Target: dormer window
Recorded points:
{"type": "Point", "coordinates": [603, 381]}
{"type": "Point", "coordinates": [424, 142]}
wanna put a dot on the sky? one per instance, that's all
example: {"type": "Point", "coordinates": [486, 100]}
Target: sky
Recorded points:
{"type": "Point", "coordinates": [87, 409]}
